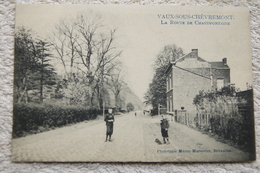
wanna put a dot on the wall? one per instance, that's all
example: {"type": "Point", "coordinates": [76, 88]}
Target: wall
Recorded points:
{"type": "Point", "coordinates": [186, 85]}
{"type": "Point", "coordinates": [202, 71]}
{"type": "Point", "coordinates": [193, 62]}
{"type": "Point", "coordinates": [169, 96]}
{"type": "Point", "coordinates": [221, 73]}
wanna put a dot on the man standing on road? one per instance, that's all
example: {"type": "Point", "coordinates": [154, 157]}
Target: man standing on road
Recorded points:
{"type": "Point", "coordinates": [164, 130]}
{"type": "Point", "coordinates": [109, 119]}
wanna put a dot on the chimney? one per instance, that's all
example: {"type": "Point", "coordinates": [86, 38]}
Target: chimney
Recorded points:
{"type": "Point", "coordinates": [194, 53]}
{"type": "Point", "coordinates": [224, 60]}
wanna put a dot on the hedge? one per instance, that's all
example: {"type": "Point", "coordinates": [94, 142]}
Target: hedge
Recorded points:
{"type": "Point", "coordinates": [231, 116]}
{"type": "Point", "coordinates": [35, 118]}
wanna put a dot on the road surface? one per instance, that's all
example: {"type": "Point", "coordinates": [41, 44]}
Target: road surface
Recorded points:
{"type": "Point", "coordinates": [133, 140]}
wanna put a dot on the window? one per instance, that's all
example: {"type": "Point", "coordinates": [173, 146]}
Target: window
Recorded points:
{"type": "Point", "coordinates": [170, 104]}
{"type": "Point", "coordinates": [167, 83]}
{"type": "Point", "coordinates": [220, 84]}
{"type": "Point", "coordinates": [170, 82]}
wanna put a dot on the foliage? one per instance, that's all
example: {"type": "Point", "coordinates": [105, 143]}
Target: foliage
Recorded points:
{"type": "Point", "coordinates": [130, 107]}
{"type": "Point", "coordinates": [86, 50]}
{"type": "Point", "coordinates": [156, 93]}
{"type": "Point", "coordinates": [74, 91]}
{"type": "Point", "coordinates": [32, 68]}
{"type": "Point", "coordinates": [34, 118]}
{"type": "Point", "coordinates": [158, 88]}
{"type": "Point", "coordinates": [230, 115]}
{"type": "Point", "coordinates": [25, 64]}
{"type": "Point", "coordinates": [226, 94]}
{"type": "Point", "coordinates": [168, 54]}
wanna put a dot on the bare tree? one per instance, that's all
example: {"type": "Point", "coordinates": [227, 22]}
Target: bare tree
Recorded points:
{"type": "Point", "coordinates": [88, 45]}
{"type": "Point", "coordinates": [116, 83]}
{"type": "Point", "coordinates": [96, 49]}
{"type": "Point", "coordinates": [96, 44]}
{"type": "Point", "coordinates": [64, 44]}
{"type": "Point", "coordinates": [88, 25]}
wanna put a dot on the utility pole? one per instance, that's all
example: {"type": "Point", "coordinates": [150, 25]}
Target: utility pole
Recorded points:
{"type": "Point", "coordinates": [159, 109]}
{"type": "Point", "coordinates": [103, 109]}
{"type": "Point", "coordinates": [103, 93]}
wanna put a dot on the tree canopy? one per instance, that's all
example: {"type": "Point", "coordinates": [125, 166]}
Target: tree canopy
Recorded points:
{"type": "Point", "coordinates": [168, 54]}
{"type": "Point", "coordinates": [156, 93]}
{"type": "Point", "coordinates": [83, 49]}
{"type": "Point", "coordinates": [32, 68]}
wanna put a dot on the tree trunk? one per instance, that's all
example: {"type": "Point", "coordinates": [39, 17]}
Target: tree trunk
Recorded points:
{"type": "Point", "coordinates": [41, 83]}
{"type": "Point", "coordinates": [41, 89]}
{"type": "Point", "coordinates": [24, 91]}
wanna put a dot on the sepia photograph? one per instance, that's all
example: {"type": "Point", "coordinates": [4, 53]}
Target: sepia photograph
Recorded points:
{"type": "Point", "coordinates": [127, 83]}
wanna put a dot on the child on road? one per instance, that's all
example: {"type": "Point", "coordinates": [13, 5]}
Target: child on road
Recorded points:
{"type": "Point", "coordinates": [109, 119]}
{"type": "Point", "coordinates": [164, 130]}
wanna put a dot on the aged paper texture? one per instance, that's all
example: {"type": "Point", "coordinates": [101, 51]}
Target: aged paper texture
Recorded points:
{"type": "Point", "coordinates": [121, 83]}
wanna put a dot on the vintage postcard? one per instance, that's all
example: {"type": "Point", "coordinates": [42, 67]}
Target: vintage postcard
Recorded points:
{"type": "Point", "coordinates": [112, 83]}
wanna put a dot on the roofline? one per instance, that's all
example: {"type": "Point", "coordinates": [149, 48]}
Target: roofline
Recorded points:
{"type": "Point", "coordinates": [222, 68]}
{"type": "Point", "coordinates": [187, 55]}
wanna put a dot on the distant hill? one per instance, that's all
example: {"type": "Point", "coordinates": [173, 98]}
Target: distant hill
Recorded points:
{"type": "Point", "coordinates": [128, 96]}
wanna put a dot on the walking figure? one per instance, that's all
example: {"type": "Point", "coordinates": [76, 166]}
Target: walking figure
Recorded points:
{"type": "Point", "coordinates": [164, 130]}
{"type": "Point", "coordinates": [109, 119]}
{"type": "Point", "coordinates": [135, 113]}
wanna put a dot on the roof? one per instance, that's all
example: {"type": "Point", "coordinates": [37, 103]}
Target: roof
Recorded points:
{"type": "Point", "coordinates": [189, 55]}
{"type": "Point", "coordinates": [219, 65]}
{"type": "Point", "coordinates": [194, 54]}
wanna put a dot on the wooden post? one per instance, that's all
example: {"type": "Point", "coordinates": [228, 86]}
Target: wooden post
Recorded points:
{"type": "Point", "coordinates": [159, 109]}
{"type": "Point", "coordinates": [103, 109]}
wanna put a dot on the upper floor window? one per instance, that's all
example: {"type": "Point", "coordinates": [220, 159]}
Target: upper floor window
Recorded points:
{"type": "Point", "coordinates": [170, 82]}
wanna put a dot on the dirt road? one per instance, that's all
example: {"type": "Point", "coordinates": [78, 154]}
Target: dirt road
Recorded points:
{"type": "Point", "coordinates": [133, 140]}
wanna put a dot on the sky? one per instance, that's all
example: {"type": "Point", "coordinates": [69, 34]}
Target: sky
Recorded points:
{"type": "Point", "coordinates": [141, 36]}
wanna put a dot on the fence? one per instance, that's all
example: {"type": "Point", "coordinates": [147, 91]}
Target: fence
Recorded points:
{"type": "Point", "coordinates": [198, 120]}
{"type": "Point", "coordinates": [230, 117]}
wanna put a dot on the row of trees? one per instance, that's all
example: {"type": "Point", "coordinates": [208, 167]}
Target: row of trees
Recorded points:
{"type": "Point", "coordinates": [84, 50]}
{"type": "Point", "coordinates": [156, 93]}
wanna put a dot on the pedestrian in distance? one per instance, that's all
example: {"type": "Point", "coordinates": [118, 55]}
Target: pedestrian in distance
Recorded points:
{"type": "Point", "coordinates": [164, 130]}
{"type": "Point", "coordinates": [135, 113]}
{"type": "Point", "coordinates": [109, 119]}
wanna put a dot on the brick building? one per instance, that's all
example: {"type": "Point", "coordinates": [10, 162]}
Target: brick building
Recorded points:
{"type": "Point", "coordinates": [191, 74]}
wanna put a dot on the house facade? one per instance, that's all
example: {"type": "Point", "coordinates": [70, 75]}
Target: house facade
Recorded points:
{"type": "Point", "coordinates": [191, 74]}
